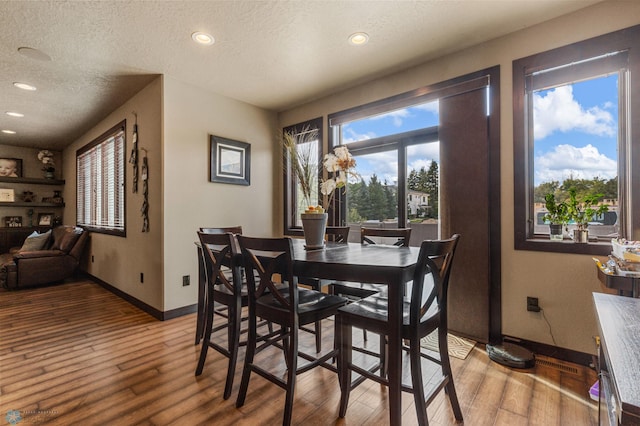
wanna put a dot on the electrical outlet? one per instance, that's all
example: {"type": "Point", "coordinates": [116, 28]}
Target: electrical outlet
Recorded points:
{"type": "Point", "coordinates": [186, 280]}
{"type": "Point", "coordinates": [532, 304]}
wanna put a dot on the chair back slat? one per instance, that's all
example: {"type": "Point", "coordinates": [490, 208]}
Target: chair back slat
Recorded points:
{"type": "Point", "coordinates": [236, 230]}
{"type": "Point", "coordinates": [337, 234]}
{"type": "Point", "coordinates": [217, 251]}
{"type": "Point", "coordinates": [402, 234]}
{"type": "Point", "coordinates": [267, 257]}
{"type": "Point", "coordinates": [435, 260]}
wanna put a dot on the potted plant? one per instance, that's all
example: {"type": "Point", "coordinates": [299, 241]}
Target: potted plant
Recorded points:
{"type": "Point", "coordinates": [557, 215]}
{"type": "Point", "coordinates": [302, 159]}
{"type": "Point", "coordinates": [584, 211]}
{"type": "Point", "coordinates": [48, 166]}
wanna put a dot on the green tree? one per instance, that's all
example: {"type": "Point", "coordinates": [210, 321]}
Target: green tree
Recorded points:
{"type": "Point", "coordinates": [431, 188]}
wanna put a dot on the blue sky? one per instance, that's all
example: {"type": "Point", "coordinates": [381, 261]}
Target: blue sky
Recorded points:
{"type": "Point", "coordinates": [575, 133]}
{"type": "Point", "coordinates": [576, 130]}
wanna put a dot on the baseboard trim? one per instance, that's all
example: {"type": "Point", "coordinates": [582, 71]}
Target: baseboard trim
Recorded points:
{"type": "Point", "coordinates": [157, 314]}
{"type": "Point", "coordinates": [553, 351]}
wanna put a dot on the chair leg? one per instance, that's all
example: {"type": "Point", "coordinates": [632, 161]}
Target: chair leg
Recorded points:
{"type": "Point", "coordinates": [344, 360]}
{"type": "Point", "coordinates": [248, 360]}
{"type": "Point", "coordinates": [292, 355]}
{"type": "Point", "coordinates": [416, 381]}
{"type": "Point", "coordinates": [446, 372]}
{"type": "Point", "coordinates": [235, 321]}
{"type": "Point", "coordinates": [318, 334]}
{"type": "Point", "coordinates": [206, 338]}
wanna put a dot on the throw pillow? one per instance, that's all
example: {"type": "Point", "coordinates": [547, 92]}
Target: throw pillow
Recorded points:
{"type": "Point", "coordinates": [35, 241]}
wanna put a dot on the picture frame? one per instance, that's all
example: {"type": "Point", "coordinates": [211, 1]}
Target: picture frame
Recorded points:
{"type": "Point", "coordinates": [45, 219]}
{"type": "Point", "coordinates": [7, 195]}
{"type": "Point", "coordinates": [13, 221]}
{"type": "Point", "coordinates": [10, 167]}
{"type": "Point", "coordinates": [230, 161]}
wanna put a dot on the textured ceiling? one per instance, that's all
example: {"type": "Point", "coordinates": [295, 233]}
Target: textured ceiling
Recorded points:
{"type": "Point", "coordinates": [272, 54]}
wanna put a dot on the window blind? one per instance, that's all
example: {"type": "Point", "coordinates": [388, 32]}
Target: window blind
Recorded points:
{"type": "Point", "coordinates": [100, 182]}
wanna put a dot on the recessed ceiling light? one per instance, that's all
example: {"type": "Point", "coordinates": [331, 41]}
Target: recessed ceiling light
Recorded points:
{"type": "Point", "coordinates": [203, 38]}
{"type": "Point", "coordinates": [9, 132]}
{"type": "Point", "coordinates": [358, 39]}
{"type": "Point", "coordinates": [14, 114]}
{"type": "Point", "coordinates": [24, 86]}
{"type": "Point", "coordinates": [33, 54]}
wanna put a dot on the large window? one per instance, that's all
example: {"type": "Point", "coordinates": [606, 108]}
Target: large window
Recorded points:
{"type": "Point", "coordinates": [397, 156]}
{"type": "Point", "coordinates": [572, 131]}
{"type": "Point", "coordinates": [100, 183]}
{"type": "Point", "coordinates": [305, 142]}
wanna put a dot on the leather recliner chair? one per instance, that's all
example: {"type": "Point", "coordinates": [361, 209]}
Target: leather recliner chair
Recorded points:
{"type": "Point", "coordinates": [55, 263]}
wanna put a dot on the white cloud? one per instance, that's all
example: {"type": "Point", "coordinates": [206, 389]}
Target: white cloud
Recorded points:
{"type": "Point", "coordinates": [579, 162]}
{"type": "Point", "coordinates": [350, 135]}
{"type": "Point", "coordinates": [559, 111]}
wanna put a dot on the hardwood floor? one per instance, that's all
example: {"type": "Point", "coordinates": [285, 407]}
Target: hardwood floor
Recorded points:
{"type": "Point", "coordinates": [77, 354]}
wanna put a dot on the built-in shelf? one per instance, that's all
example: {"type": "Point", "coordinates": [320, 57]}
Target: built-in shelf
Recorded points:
{"type": "Point", "coordinates": [31, 204]}
{"type": "Point", "coordinates": [35, 181]}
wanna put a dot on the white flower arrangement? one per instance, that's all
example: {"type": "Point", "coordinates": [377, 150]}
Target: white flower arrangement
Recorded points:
{"type": "Point", "coordinates": [46, 158]}
{"type": "Point", "coordinates": [340, 166]}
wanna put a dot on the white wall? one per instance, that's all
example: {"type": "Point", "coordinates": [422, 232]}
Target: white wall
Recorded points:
{"type": "Point", "coordinates": [190, 200]}
{"type": "Point", "coordinates": [119, 261]}
{"type": "Point", "coordinates": [562, 282]}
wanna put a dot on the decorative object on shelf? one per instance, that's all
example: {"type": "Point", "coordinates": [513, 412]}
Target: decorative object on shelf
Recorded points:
{"type": "Point", "coordinates": [30, 214]}
{"type": "Point", "coordinates": [57, 197]}
{"type": "Point", "coordinates": [230, 161]}
{"type": "Point", "coordinates": [10, 167]}
{"type": "Point", "coordinates": [145, 192]}
{"type": "Point", "coordinates": [13, 221]}
{"type": "Point", "coordinates": [7, 195]}
{"type": "Point", "coordinates": [557, 215]}
{"type": "Point", "coordinates": [57, 221]}
{"type": "Point", "coordinates": [48, 166]}
{"type": "Point", "coordinates": [28, 197]}
{"type": "Point", "coordinates": [134, 154]}
{"type": "Point", "coordinates": [584, 211]}
{"type": "Point", "coordinates": [45, 219]}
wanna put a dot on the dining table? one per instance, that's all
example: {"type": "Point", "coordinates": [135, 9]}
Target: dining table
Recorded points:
{"type": "Point", "coordinates": [373, 264]}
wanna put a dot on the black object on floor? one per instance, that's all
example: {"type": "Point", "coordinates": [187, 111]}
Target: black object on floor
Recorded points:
{"type": "Point", "coordinates": [511, 355]}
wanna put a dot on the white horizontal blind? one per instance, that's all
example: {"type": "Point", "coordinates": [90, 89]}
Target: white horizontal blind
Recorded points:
{"type": "Point", "coordinates": [100, 182]}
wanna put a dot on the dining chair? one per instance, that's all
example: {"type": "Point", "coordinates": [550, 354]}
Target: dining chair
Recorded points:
{"type": "Point", "coordinates": [336, 234]}
{"type": "Point", "coordinates": [201, 315]}
{"type": "Point", "coordinates": [283, 303]}
{"type": "Point", "coordinates": [398, 237]}
{"type": "Point", "coordinates": [221, 255]}
{"type": "Point", "coordinates": [424, 312]}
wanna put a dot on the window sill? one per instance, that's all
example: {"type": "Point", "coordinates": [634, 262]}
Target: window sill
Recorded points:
{"type": "Point", "coordinates": [599, 248]}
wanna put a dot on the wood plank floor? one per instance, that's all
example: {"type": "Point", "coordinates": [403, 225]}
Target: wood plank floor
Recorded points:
{"type": "Point", "coordinates": [75, 354]}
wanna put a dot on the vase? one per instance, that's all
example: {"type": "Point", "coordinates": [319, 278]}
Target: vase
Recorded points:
{"type": "Point", "coordinates": [314, 226]}
{"type": "Point", "coordinates": [555, 232]}
{"type": "Point", "coordinates": [49, 175]}
{"type": "Point", "coordinates": [580, 235]}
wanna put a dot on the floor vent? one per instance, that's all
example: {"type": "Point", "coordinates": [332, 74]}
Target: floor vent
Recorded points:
{"type": "Point", "coordinates": [557, 366]}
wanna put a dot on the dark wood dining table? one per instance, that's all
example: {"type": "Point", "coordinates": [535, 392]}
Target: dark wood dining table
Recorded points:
{"type": "Point", "coordinates": [374, 264]}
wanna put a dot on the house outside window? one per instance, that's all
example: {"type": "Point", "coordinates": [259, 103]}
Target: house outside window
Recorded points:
{"type": "Point", "coordinates": [101, 183]}
{"type": "Point", "coordinates": [572, 130]}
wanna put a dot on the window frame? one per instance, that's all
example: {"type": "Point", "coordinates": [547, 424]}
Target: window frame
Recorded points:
{"type": "Point", "coordinates": [120, 166]}
{"type": "Point", "coordinates": [629, 149]}
{"type": "Point", "coordinates": [289, 194]}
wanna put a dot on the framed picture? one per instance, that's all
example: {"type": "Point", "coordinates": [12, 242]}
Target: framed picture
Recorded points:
{"type": "Point", "coordinates": [13, 221]}
{"type": "Point", "coordinates": [45, 219]}
{"type": "Point", "coordinates": [7, 195]}
{"type": "Point", "coordinates": [230, 161]}
{"type": "Point", "coordinates": [10, 167]}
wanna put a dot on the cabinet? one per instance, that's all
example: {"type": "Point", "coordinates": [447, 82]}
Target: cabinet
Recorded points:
{"type": "Point", "coordinates": [41, 188]}
{"type": "Point", "coordinates": [619, 355]}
